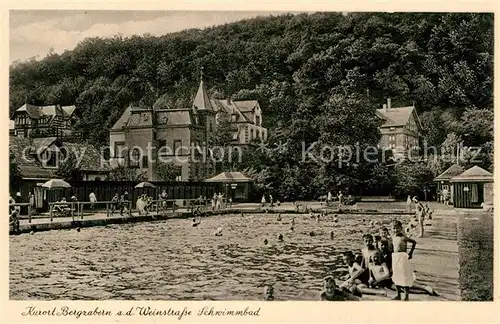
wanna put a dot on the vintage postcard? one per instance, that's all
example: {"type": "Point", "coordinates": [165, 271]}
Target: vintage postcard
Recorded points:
{"type": "Point", "coordinates": [249, 164]}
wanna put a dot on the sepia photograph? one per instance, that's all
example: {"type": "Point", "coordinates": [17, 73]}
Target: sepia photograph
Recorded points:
{"type": "Point", "coordinates": [250, 156]}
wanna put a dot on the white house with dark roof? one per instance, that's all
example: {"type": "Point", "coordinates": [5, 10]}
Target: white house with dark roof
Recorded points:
{"type": "Point", "coordinates": [40, 121]}
{"type": "Point", "coordinates": [246, 116]}
{"type": "Point", "coordinates": [401, 129]}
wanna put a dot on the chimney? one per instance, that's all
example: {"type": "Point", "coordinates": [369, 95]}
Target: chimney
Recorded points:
{"type": "Point", "coordinates": [388, 103]}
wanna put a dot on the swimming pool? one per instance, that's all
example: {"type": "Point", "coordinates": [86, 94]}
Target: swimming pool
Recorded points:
{"type": "Point", "coordinates": [172, 260]}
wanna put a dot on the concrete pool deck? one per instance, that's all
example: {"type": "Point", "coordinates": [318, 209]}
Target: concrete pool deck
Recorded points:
{"type": "Point", "coordinates": [436, 258]}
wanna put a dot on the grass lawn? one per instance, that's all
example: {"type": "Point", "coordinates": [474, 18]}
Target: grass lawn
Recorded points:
{"type": "Point", "coordinates": [475, 249]}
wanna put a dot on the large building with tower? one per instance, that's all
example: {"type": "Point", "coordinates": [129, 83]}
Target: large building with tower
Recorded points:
{"type": "Point", "coordinates": [146, 138]}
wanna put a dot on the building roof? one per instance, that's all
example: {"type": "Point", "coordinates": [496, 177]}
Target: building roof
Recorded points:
{"type": "Point", "coordinates": [68, 110]}
{"type": "Point", "coordinates": [230, 177]}
{"type": "Point", "coordinates": [37, 112]}
{"type": "Point", "coordinates": [201, 100]}
{"type": "Point", "coordinates": [395, 116]}
{"type": "Point", "coordinates": [474, 174]}
{"type": "Point", "coordinates": [40, 144]}
{"type": "Point", "coordinates": [176, 117]}
{"type": "Point", "coordinates": [30, 167]}
{"type": "Point", "coordinates": [122, 121]}
{"type": "Point", "coordinates": [92, 160]}
{"type": "Point", "coordinates": [231, 108]}
{"type": "Point", "coordinates": [246, 105]}
{"type": "Point", "coordinates": [140, 117]}
{"type": "Point", "coordinates": [451, 172]}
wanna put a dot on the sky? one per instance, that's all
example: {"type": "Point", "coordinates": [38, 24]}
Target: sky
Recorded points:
{"type": "Point", "coordinates": [33, 33]}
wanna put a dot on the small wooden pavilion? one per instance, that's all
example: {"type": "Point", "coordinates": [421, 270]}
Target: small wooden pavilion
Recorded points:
{"type": "Point", "coordinates": [472, 188]}
{"type": "Point", "coordinates": [444, 181]}
{"type": "Point", "coordinates": [234, 185]}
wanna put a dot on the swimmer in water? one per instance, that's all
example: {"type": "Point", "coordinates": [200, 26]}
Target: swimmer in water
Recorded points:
{"type": "Point", "coordinates": [196, 223]}
{"type": "Point", "coordinates": [242, 214]}
{"type": "Point", "coordinates": [279, 218]}
{"type": "Point", "coordinates": [291, 228]}
{"type": "Point", "coordinates": [269, 292]}
{"type": "Point", "coordinates": [78, 229]}
{"type": "Point", "coordinates": [331, 293]}
{"type": "Point", "coordinates": [335, 219]}
{"type": "Point", "coordinates": [280, 238]}
{"type": "Point", "coordinates": [218, 232]}
{"type": "Point", "coordinates": [265, 241]}
{"type": "Point", "coordinates": [331, 235]}
{"type": "Point", "coordinates": [311, 233]}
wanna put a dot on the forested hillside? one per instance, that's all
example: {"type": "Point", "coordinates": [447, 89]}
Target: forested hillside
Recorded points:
{"type": "Point", "coordinates": [318, 77]}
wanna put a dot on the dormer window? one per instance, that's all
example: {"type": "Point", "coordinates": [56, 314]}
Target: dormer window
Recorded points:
{"type": "Point", "coordinates": [392, 129]}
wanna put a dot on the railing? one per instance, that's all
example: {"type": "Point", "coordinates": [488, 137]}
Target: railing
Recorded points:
{"type": "Point", "coordinates": [18, 207]}
{"type": "Point", "coordinates": [160, 206]}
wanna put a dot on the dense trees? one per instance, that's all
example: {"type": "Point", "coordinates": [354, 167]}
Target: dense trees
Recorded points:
{"type": "Point", "coordinates": [318, 77]}
{"type": "Point", "coordinates": [69, 169]}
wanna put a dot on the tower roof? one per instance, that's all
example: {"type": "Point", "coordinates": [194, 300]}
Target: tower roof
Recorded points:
{"type": "Point", "coordinates": [202, 101]}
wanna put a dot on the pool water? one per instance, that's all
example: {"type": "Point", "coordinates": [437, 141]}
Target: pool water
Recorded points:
{"type": "Point", "coordinates": [172, 260]}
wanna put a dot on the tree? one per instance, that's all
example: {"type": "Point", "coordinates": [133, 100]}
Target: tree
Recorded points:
{"type": "Point", "coordinates": [223, 134]}
{"type": "Point", "coordinates": [166, 172]}
{"type": "Point", "coordinates": [15, 175]}
{"type": "Point", "coordinates": [413, 179]}
{"type": "Point", "coordinates": [123, 173]}
{"type": "Point", "coordinates": [69, 169]}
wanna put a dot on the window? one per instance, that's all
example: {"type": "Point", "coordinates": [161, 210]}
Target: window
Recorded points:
{"type": "Point", "coordinates": [211, 127]}
{"type": "Point", "coordinates": [145, 162]}
{"type": "Point", "coordinates": [257, 134]}
{"type": "Point", "coordinates": [392, 129]}
{"type": "Point", "coordinates": [177, 147]}
{"type": "Point", "coordinates": [52, 158]}
{"type": "Point", "coordinates": [119, 149]}
{"type": "Point", "coordinates": [257, 120]}
{"type": "Point", "coordinates": [178, 173]}
{"type": "Point", "coordinates": [135, 158]}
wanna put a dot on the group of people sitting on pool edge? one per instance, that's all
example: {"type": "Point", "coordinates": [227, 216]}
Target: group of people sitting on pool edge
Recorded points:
{"type": "Point", "coordinates": [382, 264]}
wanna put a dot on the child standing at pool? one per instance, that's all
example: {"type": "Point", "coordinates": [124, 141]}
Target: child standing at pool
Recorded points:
{"type": "Point", "coordinates": [402, 272]}
{"type": "Point", "coordinates": [420, 214]}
